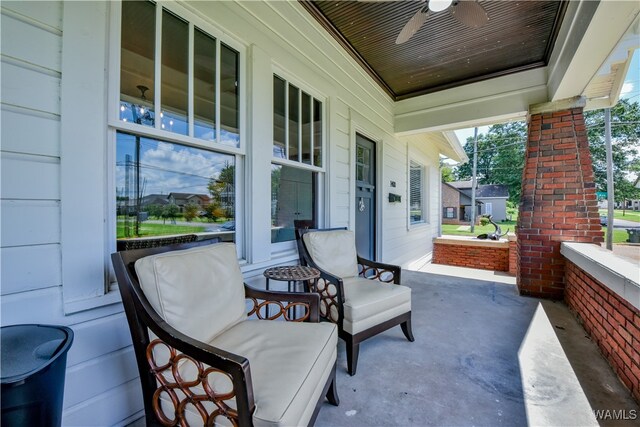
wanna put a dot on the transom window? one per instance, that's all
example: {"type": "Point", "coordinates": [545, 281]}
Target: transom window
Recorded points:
{"type": "Point", "coordinates": [185, 81]}
{"type": "Point", "coordinates": [297, 124]}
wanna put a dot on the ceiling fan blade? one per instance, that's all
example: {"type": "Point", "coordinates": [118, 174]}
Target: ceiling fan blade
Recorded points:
{"type": "Point", "coordinates": [469, 13]}
{"type": "Point", "coordinates": [413, 25]}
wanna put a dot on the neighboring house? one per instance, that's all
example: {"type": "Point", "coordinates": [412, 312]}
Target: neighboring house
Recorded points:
{"type": "Point", "coordinates": [183, 88]}
{"type": "Point", "coordinates": [183, 199]}
{"type": "Point", "coordinates": [455, 205]}
{"type": "Point", "coordinates": [155, 199]}
{"type": "Point", "coordinates": [491, 197]}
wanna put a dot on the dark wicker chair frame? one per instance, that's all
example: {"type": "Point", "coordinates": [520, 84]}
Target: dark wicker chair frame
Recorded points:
{"type": "Point", "coordinates": [368, 269]}
{"type": "Point", "coordinates": [208, 359]}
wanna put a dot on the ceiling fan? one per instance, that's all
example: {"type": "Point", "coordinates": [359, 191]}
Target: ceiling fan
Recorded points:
{"type": "Point", "coordinates": [469, 13]}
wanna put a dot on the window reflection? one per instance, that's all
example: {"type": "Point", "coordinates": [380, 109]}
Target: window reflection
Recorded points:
{"type": "Point", "coordinates": [229, 97]}
{"type": "Point", "coordinates": [175, 68]}
{"type": "Point", "coordinates": [293, 195]}
{"type": "Point", "coordinates": [137, 69]}
{"type": "Point", "coordinates": [170, 189]}
{"type": "Point", "coordinates": [204, 84]}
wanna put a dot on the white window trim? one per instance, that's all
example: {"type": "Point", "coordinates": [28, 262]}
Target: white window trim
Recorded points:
{"type": "Point", "coordinates": [285, 249]}
{"type": "Point", "coordinates": [87, 165]}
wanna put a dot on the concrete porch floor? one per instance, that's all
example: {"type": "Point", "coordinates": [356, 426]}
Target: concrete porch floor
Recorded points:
{"type": "Point", "coordinates": [463, 368]}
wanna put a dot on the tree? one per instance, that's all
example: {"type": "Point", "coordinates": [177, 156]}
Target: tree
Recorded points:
{"type": "Point", "coordinates": [447, 173]}
{"type": "Point", "coordinates": [170, 211]}
{"type": "Point", "coordinates": [222, 189]}
{"type": "Point", "coordinates": [154, 210]}
{"type": "Point", "coordinates": [191, 211]}
{"type": "Point", "coordinates": [500, 157]}
{"type": "Point", "coordinates": [625, 137]}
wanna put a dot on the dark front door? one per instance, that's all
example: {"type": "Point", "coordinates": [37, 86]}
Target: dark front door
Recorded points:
{"type": "Point", "coordinates": [365, 197]}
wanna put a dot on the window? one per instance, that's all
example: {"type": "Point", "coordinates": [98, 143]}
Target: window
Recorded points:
{"type": "Point", "coordinates": [178, 135]}
{"type": "Point", "coordinates": [416, 191]}
{"type": "Point", "coordinates": [194, 85]}
{"type": "Point", "coordinates": [293, 195]}
{"type": "Point", "coordinates": [170, 189]}
{"type": "Point", "coordinates": [297, 124]}
{"type": "Point", "coordinates": [297, 157]}
{"type": "Point", "coordinates": [450, 213]}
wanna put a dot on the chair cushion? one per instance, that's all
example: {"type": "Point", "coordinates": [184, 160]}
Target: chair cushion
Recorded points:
{"type": "Point", "coordinates": [333, 251]}
{"type": "Point", "coordinates": [197, 291]}
{"type": "Point", "coordinates": [290, 364]}
{"type": "Point", "coordinates": [371, 302]}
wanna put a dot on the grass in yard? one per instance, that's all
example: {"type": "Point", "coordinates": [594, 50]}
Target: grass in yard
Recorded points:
{"type": "Point", "coordinates": [147, 229]}
{"type": "Point", "coordinates": [479, 229]}
{"type": "Point", "coordinates": [619, 236]}
{"type": "Point", "coordinates": [628, 215]}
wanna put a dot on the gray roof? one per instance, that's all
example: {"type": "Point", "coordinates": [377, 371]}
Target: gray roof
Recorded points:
{"type": "Point", "coordinates": [482, 191]}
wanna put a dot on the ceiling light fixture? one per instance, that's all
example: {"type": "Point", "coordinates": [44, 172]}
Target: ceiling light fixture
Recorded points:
{"type": "Point", "coordinates": [439, 5]}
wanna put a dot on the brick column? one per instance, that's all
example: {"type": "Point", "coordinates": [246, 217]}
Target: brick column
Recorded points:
{"type": "Point", "coordinates": [558, 200]}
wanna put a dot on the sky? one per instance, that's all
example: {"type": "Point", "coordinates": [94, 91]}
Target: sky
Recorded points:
{"type": "Point", "coordinates": [630, 90]}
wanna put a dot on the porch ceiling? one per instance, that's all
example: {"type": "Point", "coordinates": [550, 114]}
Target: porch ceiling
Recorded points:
{"type": "Point", "coordinates": [443, 53]}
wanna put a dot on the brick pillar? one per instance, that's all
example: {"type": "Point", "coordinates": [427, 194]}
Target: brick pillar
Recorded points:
{"type": "Point", "coordinates": [558, 202]}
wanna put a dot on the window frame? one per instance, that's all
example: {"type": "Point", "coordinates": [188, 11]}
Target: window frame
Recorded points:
{"type": "Point", "coordinates": [115, 125]}
{"type": "Point", "coordinates": [423, 186]}
{"type": "Point", "coordinates": [280, 249]}
{"type": "Point", "coordinates": [290, 79]}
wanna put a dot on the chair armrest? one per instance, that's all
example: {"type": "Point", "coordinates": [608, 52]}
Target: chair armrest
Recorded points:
{"type": "Point", "coordinates": [262, 298]}
{"type": "Point", "coordinates": [380, 271]}
{"type": "Point", "coordinates": [331, 291]}
{"type": "Point", "coordinates": [207, 360]}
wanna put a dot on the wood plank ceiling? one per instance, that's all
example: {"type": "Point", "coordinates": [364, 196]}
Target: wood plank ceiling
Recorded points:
{"type": "Point", "coordinates": [443, 53]}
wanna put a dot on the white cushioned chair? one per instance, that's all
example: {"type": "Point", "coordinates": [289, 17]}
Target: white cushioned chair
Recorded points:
{"type": "Point", "coordinates": [362, 297]}
{"type": "Point", "coordinates": [202, 358]}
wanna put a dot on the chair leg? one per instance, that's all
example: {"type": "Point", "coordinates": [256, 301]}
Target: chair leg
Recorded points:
{"type": "Point", "coordinates": [332, 393]}
{"type": "Point", "coordinates": [353, 349]}
{"type": "Point", "coordinates": [406, 329]}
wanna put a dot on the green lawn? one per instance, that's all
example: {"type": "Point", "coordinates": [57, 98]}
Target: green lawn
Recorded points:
{"type": "Point", "coordinates": [628, 215]}
{"type": "Point", "coordinates": [147, 229]}
{"type": "Point", "coordinates": [619, 236]}
{"type": "Point", "coordinates": [479, 229]}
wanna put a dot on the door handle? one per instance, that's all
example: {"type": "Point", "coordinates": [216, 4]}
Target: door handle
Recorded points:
{"type": "Point", "coordinates": [361, 205]}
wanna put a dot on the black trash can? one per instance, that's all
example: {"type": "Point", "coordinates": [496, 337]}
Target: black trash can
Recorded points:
{"type": "Point", "coordinates": [34, 362]}
{"type": "Point", "coordinates": [634, 235]}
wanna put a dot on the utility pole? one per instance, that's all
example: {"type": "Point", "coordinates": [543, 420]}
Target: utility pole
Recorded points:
{"type": "Point", "coordinates": [610, 189]}
{"type": "Point", "coordinates": [473, 179]}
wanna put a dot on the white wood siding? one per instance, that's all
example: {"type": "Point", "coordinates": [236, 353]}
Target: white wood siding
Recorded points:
{"type": "Point", "coordinates": [101, 384]}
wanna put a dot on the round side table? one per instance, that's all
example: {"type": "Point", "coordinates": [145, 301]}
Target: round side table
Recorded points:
{"type": "Point", "coordinates": [291, 274]}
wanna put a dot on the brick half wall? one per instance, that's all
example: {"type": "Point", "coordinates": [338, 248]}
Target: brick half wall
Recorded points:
{"type": "Point", "coordinates": [610, 320]}
{"type": "Point", "coordinates": [471, 253]}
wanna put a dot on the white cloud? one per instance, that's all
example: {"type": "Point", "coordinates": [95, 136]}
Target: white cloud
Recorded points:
{"type": "Point", "coordinates": [175, 168]}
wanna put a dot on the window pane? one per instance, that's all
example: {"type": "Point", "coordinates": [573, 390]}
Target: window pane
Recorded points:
{"type": "Point", "coordinates": [229, 97]}
{"type": "Point", "coordinates": [415, 192]}
{"type": "Point", "coordinates": [306, 128]}
{"type": "Point", "coordinates": [294, 120]}
{"type": "Point", "coordinates": [317, 133]}
{"type": "Point", "coordinates": [175, 69]}
{"type": "Point", "coordinates": [170, 189]}
{"type": "Point", "coordinates": [279, 136]}
{"type": "Point", "coordinates": [292, 198]}
{"type": "Point", "coordinates": [137, 62]}
{"type": "Point", "coordinates": [204, 85]}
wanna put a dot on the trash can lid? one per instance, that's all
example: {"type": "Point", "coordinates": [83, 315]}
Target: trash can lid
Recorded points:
{"type": "Point", "coordinates": [27, 349]}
